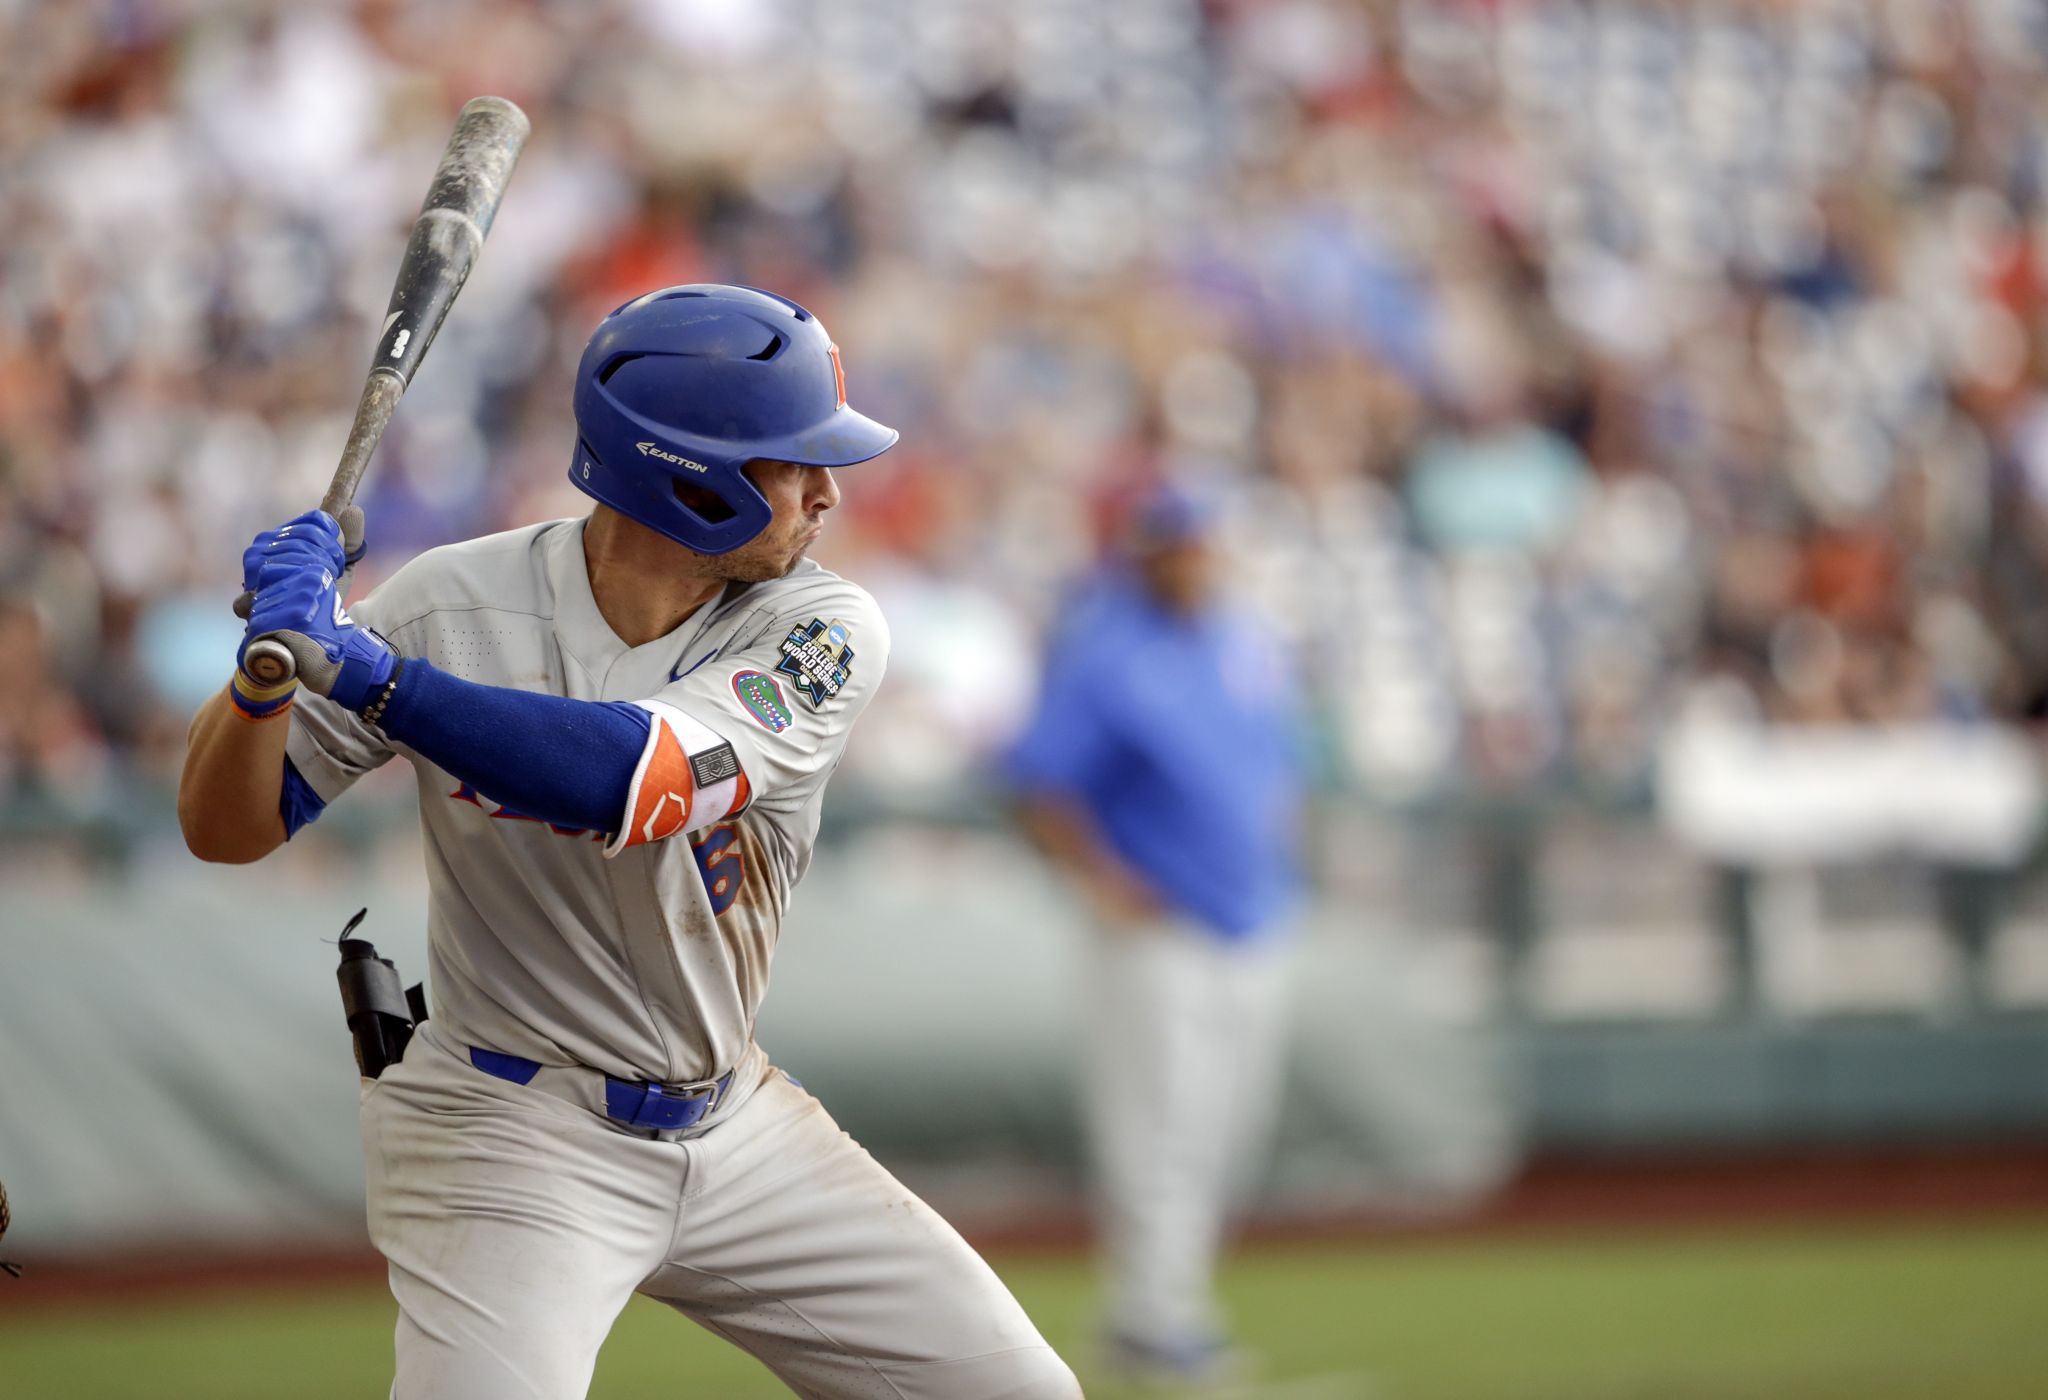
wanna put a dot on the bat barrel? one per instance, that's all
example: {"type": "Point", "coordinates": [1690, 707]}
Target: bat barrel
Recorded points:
{"type": "Point", "coordinates": [456, 214]}
{"type": "Point", "coordinates": [481, 151]}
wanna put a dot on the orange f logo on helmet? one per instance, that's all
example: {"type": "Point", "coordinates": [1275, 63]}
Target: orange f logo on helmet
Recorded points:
{"type": "Point", "coordinates": [838, 372]}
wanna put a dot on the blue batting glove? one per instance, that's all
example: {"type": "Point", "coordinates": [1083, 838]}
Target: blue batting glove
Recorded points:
{"type": "Point", "coordinates": [303, 538]}
{"type": "Point", "coordinates": [295, 572]}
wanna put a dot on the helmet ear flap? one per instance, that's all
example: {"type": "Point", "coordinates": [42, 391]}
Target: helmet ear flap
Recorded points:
{"type": "Point", "coordinates": [713, 507]}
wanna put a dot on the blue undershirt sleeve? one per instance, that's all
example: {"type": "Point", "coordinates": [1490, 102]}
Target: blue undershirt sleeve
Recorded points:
{"type": "Point", "coordinates": [566, 762]}
{"type": "Point", "coordinates": [298, 804]}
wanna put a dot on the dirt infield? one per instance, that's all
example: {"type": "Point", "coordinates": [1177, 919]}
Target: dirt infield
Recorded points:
{"type": "Point", "coordinates": [1552, 1195]}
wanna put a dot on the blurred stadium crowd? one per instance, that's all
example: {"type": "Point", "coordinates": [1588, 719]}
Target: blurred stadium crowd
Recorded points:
{"type": "Point", "coordinates": [1562, 364]}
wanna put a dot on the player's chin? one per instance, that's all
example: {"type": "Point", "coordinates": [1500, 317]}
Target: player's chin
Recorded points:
{"type": "Point", "coordinates": [797, 553]}
{"type": "Point", "coordinates": [761, 566]}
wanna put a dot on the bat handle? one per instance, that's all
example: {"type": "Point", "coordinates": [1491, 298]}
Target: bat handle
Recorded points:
{"type": "Point", "coordinates": [265, 661]}
{"type": "Point", "coordinates": [269, 662]}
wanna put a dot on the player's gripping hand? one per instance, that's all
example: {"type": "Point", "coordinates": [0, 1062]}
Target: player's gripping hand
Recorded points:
{"type": "Point", "coordinates": [295, 573]}
{"type": "Point", "coordinates": [273, 555]}
{"type": "Point", "coordinates": [315, 527]}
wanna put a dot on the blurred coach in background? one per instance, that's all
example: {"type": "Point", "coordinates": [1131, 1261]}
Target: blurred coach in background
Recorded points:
{"type": "Point", "coordinates": [1161, 771]}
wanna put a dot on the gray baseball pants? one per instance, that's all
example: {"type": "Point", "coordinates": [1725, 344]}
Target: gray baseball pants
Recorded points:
{"type": "Point", "coordinates": [518, 1223]}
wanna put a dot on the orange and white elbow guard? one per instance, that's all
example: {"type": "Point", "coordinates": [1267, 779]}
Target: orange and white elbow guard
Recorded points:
{"type": "Point", "coordinates": [688, 778]}
{"type": "Point", "coordinates": [254, 701]}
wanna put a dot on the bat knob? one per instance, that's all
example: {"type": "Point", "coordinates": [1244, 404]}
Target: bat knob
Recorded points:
{"type": "Point", "coordinates": [269, 663]}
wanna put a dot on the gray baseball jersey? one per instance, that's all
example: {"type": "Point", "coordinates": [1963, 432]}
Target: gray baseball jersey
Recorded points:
{"type": "Point", "coordinates": [642, 952]}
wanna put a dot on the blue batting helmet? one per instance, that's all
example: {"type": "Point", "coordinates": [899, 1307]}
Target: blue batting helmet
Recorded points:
{"type": "Point", "coordinates": [687, 385]}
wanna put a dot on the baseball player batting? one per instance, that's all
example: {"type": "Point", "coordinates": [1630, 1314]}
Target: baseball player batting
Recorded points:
{"type": "Point", "coordinates": [622, 726]}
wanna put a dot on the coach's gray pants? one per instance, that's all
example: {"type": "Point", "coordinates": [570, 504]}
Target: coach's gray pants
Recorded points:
{"type": "Point", "coordinates": [517, 1225]}
{"type": "Point", "coordinates": [1185, 1064]}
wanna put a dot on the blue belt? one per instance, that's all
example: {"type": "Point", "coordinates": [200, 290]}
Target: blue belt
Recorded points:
{"type": "Point", "coordinates": [651, 1107]}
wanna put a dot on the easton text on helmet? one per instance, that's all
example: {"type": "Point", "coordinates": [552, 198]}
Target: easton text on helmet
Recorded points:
{"type": "Point", "coordinates": [648, 449]}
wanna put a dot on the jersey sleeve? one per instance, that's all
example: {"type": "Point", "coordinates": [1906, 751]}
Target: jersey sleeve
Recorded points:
{"type": "Point", "coordinates": [761, 724]}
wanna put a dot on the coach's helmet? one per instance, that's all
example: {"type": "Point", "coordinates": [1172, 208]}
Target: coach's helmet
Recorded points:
{"type": "Point", "coordinates": [685, 386]}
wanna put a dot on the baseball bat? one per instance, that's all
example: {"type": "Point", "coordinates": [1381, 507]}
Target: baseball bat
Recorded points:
{"type": "Point", "coordinates": [444, 244]}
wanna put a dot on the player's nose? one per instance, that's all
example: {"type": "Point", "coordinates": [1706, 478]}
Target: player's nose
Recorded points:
{"type": "Point", "coordinates": [821, 490]}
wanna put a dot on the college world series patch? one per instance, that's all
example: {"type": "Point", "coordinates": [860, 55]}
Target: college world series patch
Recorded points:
{"type": "Point", "coordinates": [818, 658]}
{"type": "Point", "coordinates": [762, 698]}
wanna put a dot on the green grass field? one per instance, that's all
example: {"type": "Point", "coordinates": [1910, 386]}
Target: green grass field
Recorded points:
{"type": "Point", "coordinates": [1876, 1313]}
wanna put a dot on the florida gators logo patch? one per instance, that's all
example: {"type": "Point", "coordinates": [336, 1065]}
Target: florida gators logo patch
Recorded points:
{"type": "Point", "coordinates": [762, 698]}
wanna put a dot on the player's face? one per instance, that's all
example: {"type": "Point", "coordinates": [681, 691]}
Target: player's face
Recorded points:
{"type": "Point", "coordinates": [800, 497]}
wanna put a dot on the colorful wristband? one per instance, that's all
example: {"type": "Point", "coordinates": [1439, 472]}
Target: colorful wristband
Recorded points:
{"type": "Point", "coordinates": [253, 701]}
